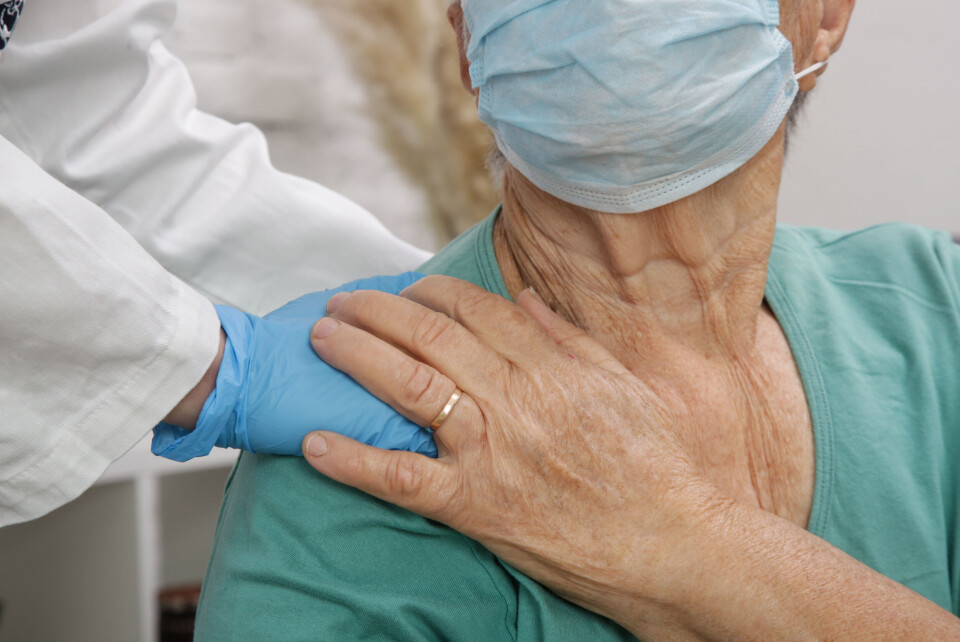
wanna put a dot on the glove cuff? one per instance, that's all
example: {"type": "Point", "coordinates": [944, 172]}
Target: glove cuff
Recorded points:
{"type": "Point", "coordinates": [222, 421]}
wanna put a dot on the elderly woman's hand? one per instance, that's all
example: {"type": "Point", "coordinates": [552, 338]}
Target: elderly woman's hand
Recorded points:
{"type": "Point", "coordinates": [563, 463]}
{"type": "Point", "coordinates": [556, 457]}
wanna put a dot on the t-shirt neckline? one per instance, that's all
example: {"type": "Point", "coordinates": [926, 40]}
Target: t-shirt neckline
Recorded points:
{"type": "Point", "coordinates": [800, 346]}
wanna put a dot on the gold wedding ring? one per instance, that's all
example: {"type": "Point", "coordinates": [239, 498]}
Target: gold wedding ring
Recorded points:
{"type": "Point", "coordinates": [442, 417]}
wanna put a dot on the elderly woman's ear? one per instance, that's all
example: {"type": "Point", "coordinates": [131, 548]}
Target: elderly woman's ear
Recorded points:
{"type": "Point", "coordinates": [455, 16]}
{"type": "Point", "coordinates": [834, 17]}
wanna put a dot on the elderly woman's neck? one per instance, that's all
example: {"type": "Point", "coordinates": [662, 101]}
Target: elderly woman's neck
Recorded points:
{"type": "Point", "coordinates": [692, 273]}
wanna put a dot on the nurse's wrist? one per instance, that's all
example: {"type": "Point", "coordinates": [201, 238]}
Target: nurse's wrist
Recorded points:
{"type": "Point", "coordinates": [187, 412]}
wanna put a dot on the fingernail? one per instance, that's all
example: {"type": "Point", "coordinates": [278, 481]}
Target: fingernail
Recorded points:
{"type": "Point", "coordinates": [335, 301]}
{"type": "Point", "coordinates": [536, 296]}
{"type": "Point", "coordinates": [324, 327]}
{"type": "Point", "coordinates": [316, 445]}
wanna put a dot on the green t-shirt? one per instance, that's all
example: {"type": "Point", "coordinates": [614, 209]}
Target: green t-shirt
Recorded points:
{"type": "Point", "coordinates": [873, 319]}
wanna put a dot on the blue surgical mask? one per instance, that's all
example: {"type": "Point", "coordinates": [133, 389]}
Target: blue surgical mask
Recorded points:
{"type": "Point", "coordinates": [622, 106]}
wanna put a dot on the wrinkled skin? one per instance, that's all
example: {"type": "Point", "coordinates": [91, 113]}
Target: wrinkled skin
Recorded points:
{"type": "Point", "coordinates": [512, 471]}
{"type": "Point", "coordinates": [601, 481]}
{"type": "Point", "coordinates": [576, 478]}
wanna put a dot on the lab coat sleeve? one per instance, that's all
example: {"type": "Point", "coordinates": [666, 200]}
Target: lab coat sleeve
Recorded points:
{"type": "Point", "coordinates": [97, 341]}
{"type": "Point", "coordinates": [111, 113]}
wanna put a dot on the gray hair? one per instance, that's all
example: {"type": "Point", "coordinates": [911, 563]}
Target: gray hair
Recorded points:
{"type": "Point", "coordinates": [793, 118]}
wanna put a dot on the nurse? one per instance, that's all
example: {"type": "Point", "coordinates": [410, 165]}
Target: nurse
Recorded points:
{"type": "Point", "coordinates": [124, 213]}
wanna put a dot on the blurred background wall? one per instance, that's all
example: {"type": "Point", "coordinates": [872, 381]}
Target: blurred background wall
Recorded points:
{"type": "Point", "coordinates": [881, 136]}
{"type": "Point", "coordinates": [363, 96]}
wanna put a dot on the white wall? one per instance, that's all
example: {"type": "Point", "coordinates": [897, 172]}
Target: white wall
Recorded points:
{"type": "Point", "coordinates": [71, 576]}
{"type": "Point", "coordinates": [278, 66]}
{"type": "Point", "coordinates": [189, 507]}
{"type": "Point", "coordinates": [881, 140]}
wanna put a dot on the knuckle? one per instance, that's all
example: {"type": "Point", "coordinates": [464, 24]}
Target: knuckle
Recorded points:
{"type": "Point", "coordinates": [469, 302]}
{"type": "Point", "coordinates": [418, 381]}
{"type": "Point", "coordinates": [430, 281]}
{"type": "Point", "coordinates": [572, 337]}
{"type": "Point", "coordinates": [404, 477]}
{"type": "Point", "coordinates": [430, 329]}
{"type": "Point", "coordinates": [362, 306]}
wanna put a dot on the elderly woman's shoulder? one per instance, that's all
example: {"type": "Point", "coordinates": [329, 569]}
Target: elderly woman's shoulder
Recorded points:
{"type": "Point", "coordinates": [888, 235]}
{"type": "Point", "coordinates": [892, 252]}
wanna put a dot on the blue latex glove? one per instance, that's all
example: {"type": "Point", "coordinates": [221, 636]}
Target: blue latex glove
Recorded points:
{"type": "Point", "coordinates": [273, 389]}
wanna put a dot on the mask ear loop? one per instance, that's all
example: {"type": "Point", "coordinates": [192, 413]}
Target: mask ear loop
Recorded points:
{"type": "Point", "coordinates": [811, 69]}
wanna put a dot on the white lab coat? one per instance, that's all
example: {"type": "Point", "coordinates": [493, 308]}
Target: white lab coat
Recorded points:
{"type": "Point", "coordinates": [97, 340]}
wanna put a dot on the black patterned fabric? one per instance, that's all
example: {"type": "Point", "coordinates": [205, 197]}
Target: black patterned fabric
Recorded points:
{"type": "Point", "coordinates": [9, 13]}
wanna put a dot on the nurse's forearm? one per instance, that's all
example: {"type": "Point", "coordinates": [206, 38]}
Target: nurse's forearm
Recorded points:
{"type": "Point", "coordinates": [98, 341]}
{"type": "Point", "coordinates": [187, 412]}
{"type": "Point", "coordinates": [109, 112]}
{"type": "Point", "coordinates": [752, 575]}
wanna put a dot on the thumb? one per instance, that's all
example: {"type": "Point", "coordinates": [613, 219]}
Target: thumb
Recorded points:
{"type": "Point", "coordinates": [409, 480]}
{"type": "Point", "coordinates": [570, 337]}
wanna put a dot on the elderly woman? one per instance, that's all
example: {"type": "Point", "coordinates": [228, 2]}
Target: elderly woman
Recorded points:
{"type": "Point", "coordinates": [726, 429]}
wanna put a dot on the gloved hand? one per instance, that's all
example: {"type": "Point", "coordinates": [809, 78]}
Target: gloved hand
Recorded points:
{"type": "Point", "coordinates": [272, 388]}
